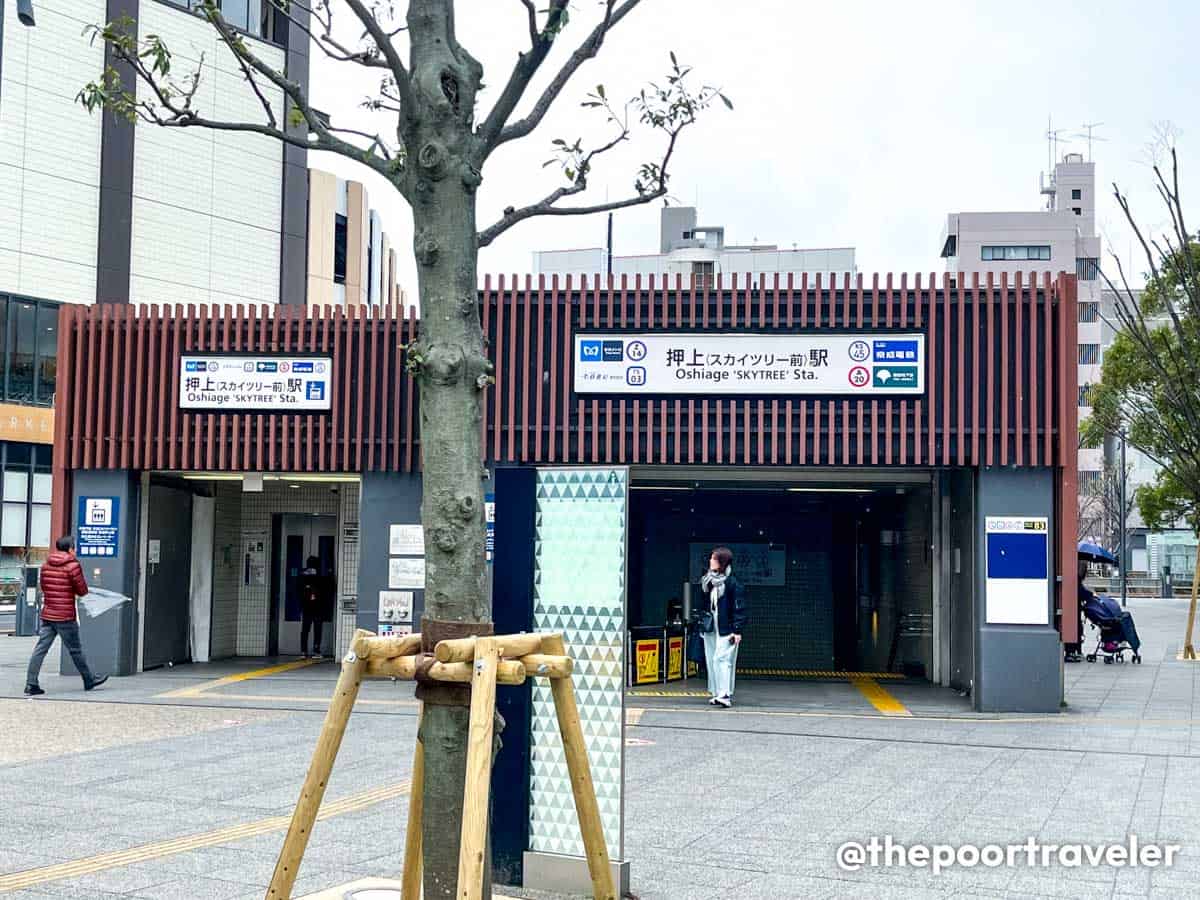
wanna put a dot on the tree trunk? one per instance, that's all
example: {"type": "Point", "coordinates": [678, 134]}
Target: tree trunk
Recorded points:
{"type": "Point", "coordinates": [452, 370]}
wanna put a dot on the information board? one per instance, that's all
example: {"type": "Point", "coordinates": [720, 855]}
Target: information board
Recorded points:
{"type": "Point", "coordinates": [98, 526]}
{"type": "Point", "coordinates": [856, 364]}
{"type": "Point", "coordinates": [1018, 566]}
{"type": "Point", "coordinates": [267, 383]}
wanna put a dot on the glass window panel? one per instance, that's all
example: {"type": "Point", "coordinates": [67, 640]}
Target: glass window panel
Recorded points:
{"type": "Point", "coordinates": [18, 455]}
{"type": "Point", "coordinates": [41, 487]}
{"type": "Point", "coordinates": [22, 344]}
{"type": "Point", "coordinates": [987, 253]}
{"type": "Point", "coordinates": [47, 364]}
{"type": "Point", "coordinates": [12, 525]}
{"type": "Point", "coordinates": [1045, 253]}
{"type": "Point", "coordinates": [16, 486]}
{"type": "Point", "coordinates": [236, 12]}
{"type": "Point", "coordinates": [39, 526]}
{"type": "Point", "coordinates": [339, 248]}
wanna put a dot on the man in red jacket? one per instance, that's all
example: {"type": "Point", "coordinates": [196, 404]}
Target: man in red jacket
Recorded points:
{"type": "Point", "coordinates": [62, 582]}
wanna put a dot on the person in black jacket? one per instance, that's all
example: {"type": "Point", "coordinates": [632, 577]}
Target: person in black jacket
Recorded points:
{"type": "Point", "coordinates": [315, 606]}
{"type": "Point", "coordinates": [722, 620]}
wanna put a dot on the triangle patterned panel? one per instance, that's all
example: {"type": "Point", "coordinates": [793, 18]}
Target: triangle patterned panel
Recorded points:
{"type": "Point", "coordinates": [580, 544]}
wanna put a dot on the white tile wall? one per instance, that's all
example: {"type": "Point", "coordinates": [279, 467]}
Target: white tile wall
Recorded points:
{"type": "Point", "coordinates": [49, 153]}
{"type": "Point", "coordinates": [257, 509]}
{"type": "Point", "coordinates": [207, 204]}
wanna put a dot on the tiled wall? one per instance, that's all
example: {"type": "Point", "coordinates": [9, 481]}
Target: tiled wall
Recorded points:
{"type": "Point", "coordinates": [49, 153]}
{"type": "Point", "coordinates": [254, 600]}
{"type": "Point", "coordinates": [207, 204]}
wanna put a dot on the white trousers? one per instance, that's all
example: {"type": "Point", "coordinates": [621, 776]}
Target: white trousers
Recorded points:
{"type": "Point", "coordinates": [720, 657]}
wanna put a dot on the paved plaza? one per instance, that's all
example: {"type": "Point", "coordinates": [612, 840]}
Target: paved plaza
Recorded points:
{"type": "Point", "coordinates": [177, 784]}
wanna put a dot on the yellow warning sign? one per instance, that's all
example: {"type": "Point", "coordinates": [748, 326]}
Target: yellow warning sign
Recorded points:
{"type": "Point", "coordinates": [647, 653]}
{"type": "Point", "coordinates": [674, 658]}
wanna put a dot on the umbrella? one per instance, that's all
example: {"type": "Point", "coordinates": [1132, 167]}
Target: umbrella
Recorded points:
{"type": "Point", "coordinates": [1095, 553]}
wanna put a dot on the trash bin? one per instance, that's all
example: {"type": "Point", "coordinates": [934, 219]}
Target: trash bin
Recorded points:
{"type": "Point", "coordinates": [106, 629]}
{"type": "Point", "coordinates": [28, 610]}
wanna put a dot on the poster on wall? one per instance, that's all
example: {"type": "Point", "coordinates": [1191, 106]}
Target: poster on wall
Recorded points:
{"type": "Point", "coordinates": [1017, 589]}
{"type": "Point", "coordinates": [395, 606]}
{"type": "Point", "coordinates": [99, 526]}
{"type": "Point", "coordinates": [754, 564]}
{"type": "Point", "coordinates": [406, 573]}
{"type": "Point", "coordinates": [857, 364]}
{"type": "Point", "coordinates": [254, 557]}
{"type": "Point", "coordinates": [406, 540]}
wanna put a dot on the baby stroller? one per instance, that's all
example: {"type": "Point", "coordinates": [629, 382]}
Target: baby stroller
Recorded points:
{"type": "Point", "coordinates": [1117, 631]}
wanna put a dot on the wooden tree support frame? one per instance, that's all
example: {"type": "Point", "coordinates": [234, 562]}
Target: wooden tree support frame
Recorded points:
{"type": "Point", "coordinates": [484, 663]}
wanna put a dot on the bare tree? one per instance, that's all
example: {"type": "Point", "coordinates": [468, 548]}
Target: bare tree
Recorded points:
{"type": "Point", "coordinates": [1150, 386]}
{"type": "Point", "coordinates": [433, 152]}
{"type": "Point", "coordinates": [1100, 508]}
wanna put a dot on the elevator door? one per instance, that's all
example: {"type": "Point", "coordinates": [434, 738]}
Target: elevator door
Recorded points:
{"type": "Point", "coordinates": [301, 537]}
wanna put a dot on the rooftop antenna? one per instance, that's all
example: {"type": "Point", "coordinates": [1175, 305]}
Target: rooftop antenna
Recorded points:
{"type": "Point", "coordinates": [1052, 134]}
{"type": "Point", "coordinates": [1088, 128]}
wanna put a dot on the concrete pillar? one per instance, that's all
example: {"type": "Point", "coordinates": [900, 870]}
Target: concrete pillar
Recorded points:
{"type": "Point", "coordinates": [1018, 668]}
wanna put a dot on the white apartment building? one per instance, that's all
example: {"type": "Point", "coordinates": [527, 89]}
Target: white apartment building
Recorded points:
{"type": "Point", "coordinates": [689, 249]}
{"type": "Point", "coordinates": [96, 209]}
{"type": "Point", "coordinates": [1060, 237]}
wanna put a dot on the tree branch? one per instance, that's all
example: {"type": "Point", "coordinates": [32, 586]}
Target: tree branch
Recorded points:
{"type": "Point", "coordinates": [495, 131]}
{"type": "Point", "coordinates": [384, 42]}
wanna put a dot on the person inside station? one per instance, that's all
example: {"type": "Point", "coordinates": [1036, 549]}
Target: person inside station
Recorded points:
{"type": "Point", "coordinates": [721, 621]}
{"type": "Point", "coordinates": [316, 606]}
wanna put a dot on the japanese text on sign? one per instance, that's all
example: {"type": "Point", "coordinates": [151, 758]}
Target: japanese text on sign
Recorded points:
{"type": "Point", "coordinates": [273, 383]}
{"type": "Point", "coordinates": [807, 363]}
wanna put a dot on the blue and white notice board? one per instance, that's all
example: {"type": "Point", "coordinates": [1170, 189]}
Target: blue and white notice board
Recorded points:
{"type": "Point", "coordinates": [1018, 570]}
{"type": "Point", "coordinates": [99, 526]}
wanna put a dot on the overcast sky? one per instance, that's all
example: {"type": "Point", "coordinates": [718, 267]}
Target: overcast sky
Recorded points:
{"type": "Point", "coordinates": [855, 124]}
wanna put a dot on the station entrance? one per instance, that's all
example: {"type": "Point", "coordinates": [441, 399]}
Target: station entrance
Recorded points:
{"type": "Point", "coordinates": [838, 570]}
{"type": "Point", "coordinates": [223, 558]}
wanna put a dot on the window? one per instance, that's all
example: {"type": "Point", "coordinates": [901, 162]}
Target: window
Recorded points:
{"type": "Point", "coordinates": [1089, 312]}
{"type": "Point", "coordinates": [1087, 269]}
{"type": "Point", "coordinates": [1077, 210]}
{"type": "Point", "coordinates": [1089, 483]}
{"type": "Point", "coordinates": [28, 350]}
{"type": "Point", "coordinates": [704, 274]}
{"type": "Point", "coordinates": [1085, 395]}
{"type": "Point", "coordinates": [24, 512]}
{"type": "Point", "coordinates": [1076, 194]}
{"type": "Point", "coordinates": [254, 17]}
{"type": "Point", "coordinates": [1089, 354]}
{"type": "Point", "coordinates": [339, 249]}
{"type": "Point", "coordinates": [1018, 253]}
{"type": "Point", "coordinates": [950, 248]}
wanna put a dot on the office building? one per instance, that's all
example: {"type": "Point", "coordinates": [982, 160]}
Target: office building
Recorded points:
{"type": "Point", "coordinates": [1059, 237]}
{"type": "Point", "coordinates": [688, 249]}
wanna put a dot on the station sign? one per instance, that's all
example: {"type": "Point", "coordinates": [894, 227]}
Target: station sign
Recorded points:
{"type": "Point", "coordinates": [854, 364]}
{"type": "Point", "coordinates": [239, 382]}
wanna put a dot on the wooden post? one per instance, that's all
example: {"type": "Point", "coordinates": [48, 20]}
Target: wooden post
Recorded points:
{"type": "Point", "coordinates": [410, 885]}
{"type": "Point", "coordinates": [477, 787]}
{"type": "Point", "coordinates": [1189, 652]}
{"type": "Point", "coordinates": [317, 778]}
{"type": "Point", "coordinates": [575, 750]}
{"type": "Point", "coordinates": [512, 646]}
